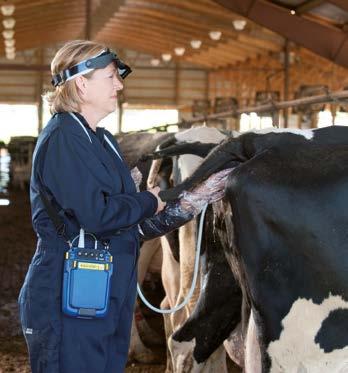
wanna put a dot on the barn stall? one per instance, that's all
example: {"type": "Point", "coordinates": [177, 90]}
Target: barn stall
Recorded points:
{"type": "Point", "coordinates": [234, 65]}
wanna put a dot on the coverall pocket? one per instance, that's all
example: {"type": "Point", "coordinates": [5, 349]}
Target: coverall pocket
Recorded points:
{"type": "Point", "coordinates": [43, 348]}
{"type": "Point", "coordinates": [124, 268]}
{"type": "Point", "coordinates": [40, 319]}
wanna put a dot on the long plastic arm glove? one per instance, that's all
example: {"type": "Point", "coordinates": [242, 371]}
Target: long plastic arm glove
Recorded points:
{"type": "Point", "coordinates": [189, 205]}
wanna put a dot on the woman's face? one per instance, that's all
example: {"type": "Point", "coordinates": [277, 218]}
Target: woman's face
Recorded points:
{"type": "Point", "coordinates": [101, 89]}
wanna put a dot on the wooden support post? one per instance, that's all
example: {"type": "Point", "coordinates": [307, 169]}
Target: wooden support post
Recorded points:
{"type": "Point", "coordinates": [120, 115]}
{"type": "Point", "coordinates": [88, 20]}
{"type": "Point", "coordinates": [40, 115]}
{"type": "Point", "coordinates": [39, 90]}
{"type": "Point", "coordinates": [286, 80]}
{"type": "Point", "coordinates": [333, 109]}
{"type": "Point", "coordinates": [177, 83]}
{"type": "Point", "coordinates": [207, 88]}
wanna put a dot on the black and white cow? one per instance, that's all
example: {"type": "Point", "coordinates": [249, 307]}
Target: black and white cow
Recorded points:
{"type": "Point", "coordinates": [284, 230]}
{"type": "Point", "coordinates": [216, 314]}
{"type": "Point", "coordinates": [186, 149]}
{"type": "Point", "coordinates": [134, 146]}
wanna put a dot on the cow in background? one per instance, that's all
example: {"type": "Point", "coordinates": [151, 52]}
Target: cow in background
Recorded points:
{"type": "Point", "coordinates": [284, 228]}
{"type": "Point", "coordinates": [133, 147]}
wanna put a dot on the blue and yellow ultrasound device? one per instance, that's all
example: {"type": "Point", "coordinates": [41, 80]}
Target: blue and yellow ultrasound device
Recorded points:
{"type": "Point", "coordinates": [86, 280]}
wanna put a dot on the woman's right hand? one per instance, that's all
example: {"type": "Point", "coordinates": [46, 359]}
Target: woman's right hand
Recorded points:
{"type": "Point", "coordinates": [161, 204]}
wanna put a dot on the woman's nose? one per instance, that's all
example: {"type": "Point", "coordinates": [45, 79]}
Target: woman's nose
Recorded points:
{"type": "Point", "coordinates": [118, 84]}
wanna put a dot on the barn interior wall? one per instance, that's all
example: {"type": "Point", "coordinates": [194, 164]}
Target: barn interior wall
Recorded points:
{"type": "Point", "coordinates": [267, 74]}
{"type": "Point", "coordinates": [168, 85]}
{"type": "Point", "coordinates": [178, 85]}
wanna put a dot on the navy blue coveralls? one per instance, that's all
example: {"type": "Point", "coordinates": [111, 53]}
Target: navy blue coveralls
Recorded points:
{"type": "Point", "coordinates": [92, 188]}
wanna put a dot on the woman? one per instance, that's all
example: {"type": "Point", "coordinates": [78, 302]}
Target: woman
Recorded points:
{"type": "Point", "coordinates": [78, 168]}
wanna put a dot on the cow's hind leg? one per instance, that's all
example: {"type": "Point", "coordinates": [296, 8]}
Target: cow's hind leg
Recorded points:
{"type": "Point", "coordinates": [252, 361]}
{"type": "Point", "coordinates": [168, 332]}
{"type": "Point", "coordinates": [137, 350]}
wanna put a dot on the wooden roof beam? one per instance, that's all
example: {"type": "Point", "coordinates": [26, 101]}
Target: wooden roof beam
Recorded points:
{"type": "Point", "coordinates": [223, 52]}
{"type": "Point", "coordinates": [102, 14]}
{"type": "Point", "coordinates": [330, 42]}
{"type": "Point", "coordinates": [32, 39]}
{"type": "Point", "coordinates": [203, 61]}
{"type": "Point", "coordinates": [20, 5]}
{"type": "Point", "coordinates": [43, 24]}
{"type": "Point", "coordinates": [246, 39]}
{"type": "Point", "coordinates": [170, 19]}
{"type": "Point", "coordinates": [193, 11]}
{"type": "Point", "coordinates": [188, 32]}
{"type": "Point", "coordinates": [207, 9]}
{"type": "Point", "coordinates": [176, 37]}
{"type": "Point", "coordinates": [88, 19]}
{"type": "Point", "coordinates": [165, 39]}
{"type": "Point", "coordinates": [55, 6]}
{"type": "Point", "coordinates": [155, 13]}
{"type": "Point", "coordinates": [223, 55]}
{"type": "Point", "coordinates": [226, 28]}
{"type": "Point", "coordinates": [138, 24]}
{"type": "Point", "coordinates": [343, 4]}
{"type": "Point", "coordinates": [210, 20]}
{"type": "Point", "coordinates": [218, 60]}
{"type": "Point", "coordinates": [133, 41]}
{"type": "Point", "coordinates": [308, 6]}
{"type": "Point", "coordinates": [124, 41]}
{"type": "Point", "coordinates": [244, 48]}
{"type": "Point", "coordinates": [155, 32]}
{"type": "Point", "coordinates": [38, 41]}
{"type": "Point", "coordinates": [155, 48]}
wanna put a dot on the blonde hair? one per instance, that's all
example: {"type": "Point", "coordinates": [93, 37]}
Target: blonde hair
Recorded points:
{"type": "Point", "coordinates": [66, 97]}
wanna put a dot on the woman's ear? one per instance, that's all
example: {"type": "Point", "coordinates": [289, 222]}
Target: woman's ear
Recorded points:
{"type": "Point", "coordinates": [81, 83]}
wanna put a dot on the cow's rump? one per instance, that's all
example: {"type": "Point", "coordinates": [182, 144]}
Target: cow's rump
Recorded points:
{"type": "Point", "coordinates": [290, 218]}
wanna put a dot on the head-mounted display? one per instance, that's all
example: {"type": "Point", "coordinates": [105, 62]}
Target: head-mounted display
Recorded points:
{"type": "Point", "coordinates": [98, 62]}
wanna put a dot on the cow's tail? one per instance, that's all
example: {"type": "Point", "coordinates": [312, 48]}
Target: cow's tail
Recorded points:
{"type": "Point", "coordinates": [228, 154]}
{"type": "Point", "coordinates": [195, 148]}
{"type": "Point", "coordinates": [153, 173]}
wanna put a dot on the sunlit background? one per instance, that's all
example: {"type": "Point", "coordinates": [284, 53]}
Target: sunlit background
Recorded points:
{"type": "Point", "coordinates": [21, 120]}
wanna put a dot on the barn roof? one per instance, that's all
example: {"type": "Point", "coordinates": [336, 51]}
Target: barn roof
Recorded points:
{"type": "Point", "coordinates": [159, 26]}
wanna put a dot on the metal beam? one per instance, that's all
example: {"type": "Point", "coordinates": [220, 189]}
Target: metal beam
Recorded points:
{"type": "Point", "coordinates": [329, 42]}
{"type": "Point", "coordinates": [308, 5]}
{"type": "Point", "coordinates": [274, 106]}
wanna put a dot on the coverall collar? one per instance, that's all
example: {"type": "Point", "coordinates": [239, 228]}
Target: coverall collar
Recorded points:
{"type": "Point", "coordinates": [99, 132]}
{"type": "Point", "coordinates": [104, 152]}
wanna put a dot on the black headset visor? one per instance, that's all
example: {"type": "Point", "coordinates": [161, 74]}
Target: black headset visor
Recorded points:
{"type": "Point", "coordinates": [98, 62]}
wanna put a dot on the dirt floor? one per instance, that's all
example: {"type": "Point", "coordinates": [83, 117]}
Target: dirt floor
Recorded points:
{"type": "Point", "coordinates": [13, 359]}
{"type": "Point", "coordinates": [17, 245]}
